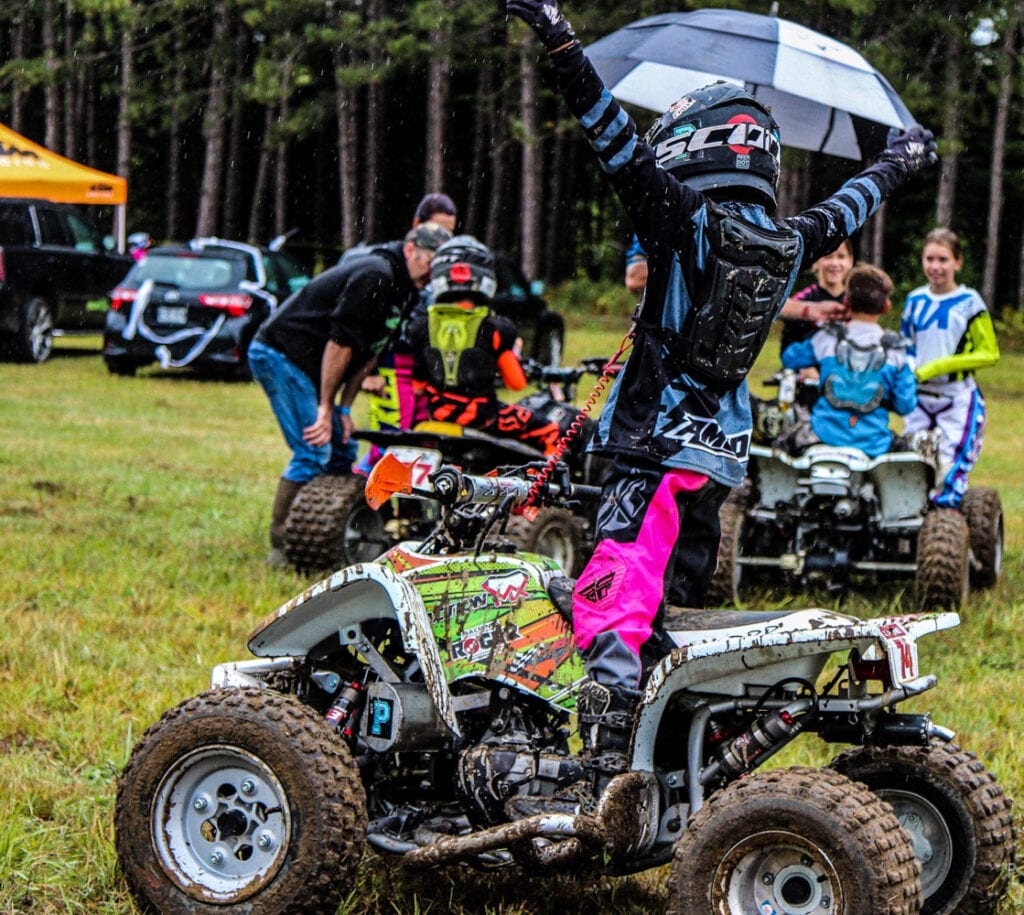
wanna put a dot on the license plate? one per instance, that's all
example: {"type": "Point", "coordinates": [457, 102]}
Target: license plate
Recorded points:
{"type": "Point", "coordinates": [170, 314]}
{"type": "Point", "coordinates": [424, 462]}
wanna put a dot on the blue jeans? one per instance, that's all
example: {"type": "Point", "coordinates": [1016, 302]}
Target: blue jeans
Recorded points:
{"type": "Point", "coordinates": [293, 398]}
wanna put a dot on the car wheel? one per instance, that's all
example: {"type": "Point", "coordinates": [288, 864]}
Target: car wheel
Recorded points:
{"type": "Point", "coordinates": [943, 561]}
{"type": "Point", "coordinates": [123, 367]}
{"type": "Point", "coordinates": [554, 532]}
{"type": "Point", "coordinates": [984, 513]}
{"type": "Point", "coordinates": [725, 584]}
{"type": "Point", "coordinates": [33, 341]}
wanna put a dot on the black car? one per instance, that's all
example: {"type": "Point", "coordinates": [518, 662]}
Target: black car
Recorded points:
{"type": "Point", "coordinates": [519, 300]}
{"type": "Point", "coordinates": [55, 273]}
{"type": "Point", "coordinates": [196, 305]}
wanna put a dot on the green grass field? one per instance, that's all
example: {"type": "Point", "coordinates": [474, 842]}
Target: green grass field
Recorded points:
{"type": "Point", "coordinates": [133, 518]}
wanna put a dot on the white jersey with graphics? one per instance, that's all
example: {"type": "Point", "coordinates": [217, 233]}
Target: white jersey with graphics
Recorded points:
{"type": "Point", "coordinates": [936, 326]}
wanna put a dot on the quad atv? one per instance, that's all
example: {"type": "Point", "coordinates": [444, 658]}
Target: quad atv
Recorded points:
{"type": "Point", "coordinates": [832, 513]}
{"type": "Point", "coordinates": [330, 526]}
{"type": "Point", "coordinates": [416, 703]}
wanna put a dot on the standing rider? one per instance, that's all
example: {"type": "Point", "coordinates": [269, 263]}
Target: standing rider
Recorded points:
{"type": "Point", "coordinates": [700, 191]}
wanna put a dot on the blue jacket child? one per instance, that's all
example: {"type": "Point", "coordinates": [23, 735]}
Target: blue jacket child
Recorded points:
{"type": "Point", "coordinates": [863, 371]}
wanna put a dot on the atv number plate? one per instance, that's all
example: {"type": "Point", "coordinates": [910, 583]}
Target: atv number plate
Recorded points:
{"type": "Point", "coordinates": [901, 650]}
{"type": "Point", "coordinates": [424, 462]}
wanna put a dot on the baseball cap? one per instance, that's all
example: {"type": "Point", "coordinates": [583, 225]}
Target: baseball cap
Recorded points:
{"type": "Point", "coordinates": [429, 236]}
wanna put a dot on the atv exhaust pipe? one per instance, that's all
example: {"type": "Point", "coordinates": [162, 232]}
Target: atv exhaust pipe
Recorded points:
{"type": "Point", "coordinates": [580, 831]}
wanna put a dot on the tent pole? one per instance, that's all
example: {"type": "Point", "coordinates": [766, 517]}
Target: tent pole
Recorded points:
{"type": "Point", "coordinates": [119, 227]}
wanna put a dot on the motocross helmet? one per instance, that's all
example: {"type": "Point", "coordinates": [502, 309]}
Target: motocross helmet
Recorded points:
{"type": "Point", "coordinates": [463, 268]}
{"type": "Point", "coordinates": [720, 136]}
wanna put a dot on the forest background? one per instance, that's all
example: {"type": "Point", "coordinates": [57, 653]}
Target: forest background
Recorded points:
{"type": "Point", "coordinates": [250, 118]}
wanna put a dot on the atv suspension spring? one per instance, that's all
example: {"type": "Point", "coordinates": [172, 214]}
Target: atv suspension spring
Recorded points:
{"type": "Point", "coordinates": [577, 424]}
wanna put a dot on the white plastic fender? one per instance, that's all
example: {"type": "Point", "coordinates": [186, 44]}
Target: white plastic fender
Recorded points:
{"type": "Point", "coordinates": [366, 591]}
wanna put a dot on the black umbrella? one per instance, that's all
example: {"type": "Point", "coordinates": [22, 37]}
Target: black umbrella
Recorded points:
{"type": "Point", "coordinates": [823, 94]}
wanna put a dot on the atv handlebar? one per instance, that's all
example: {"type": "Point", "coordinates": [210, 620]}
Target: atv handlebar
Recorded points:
{"type": "Point", "coordinates": [565, 374]}
{"type": "Point", "coordinates": [453, 487]}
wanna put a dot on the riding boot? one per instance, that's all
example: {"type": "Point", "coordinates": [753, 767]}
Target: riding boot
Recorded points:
{"type": "Point", "coordinates": [287, 490]}
{"type": "Point", "coordinates": [606, 724]}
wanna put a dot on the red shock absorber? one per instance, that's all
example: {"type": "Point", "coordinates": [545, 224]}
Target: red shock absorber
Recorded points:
{"type": "Point", "coordinates": [577, 424]}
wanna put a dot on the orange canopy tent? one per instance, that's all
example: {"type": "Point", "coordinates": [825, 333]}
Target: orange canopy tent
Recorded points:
{"type": "Point", "coordinates": [30, 170]}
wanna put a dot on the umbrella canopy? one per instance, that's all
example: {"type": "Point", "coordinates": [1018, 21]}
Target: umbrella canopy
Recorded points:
{"type": "Point", "coordinates": [823, 94]}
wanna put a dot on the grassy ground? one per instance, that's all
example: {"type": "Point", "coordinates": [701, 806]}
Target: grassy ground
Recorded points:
{"type": "Point", "coordinates": [133, 517]}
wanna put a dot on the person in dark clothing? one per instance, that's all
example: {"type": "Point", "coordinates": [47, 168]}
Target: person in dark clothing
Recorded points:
{"type": "Point", "coordinates": [462, 347]}
{"type": "Point", "coordinates": [700, 191]}
{"type": "Point", "coordinates": [325, 339]}
{"type": "Point", "coordinates": [821, 302]}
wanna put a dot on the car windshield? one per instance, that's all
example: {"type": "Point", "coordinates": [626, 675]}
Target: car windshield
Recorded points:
{"type": "Point", "coordinates": [187, 271]}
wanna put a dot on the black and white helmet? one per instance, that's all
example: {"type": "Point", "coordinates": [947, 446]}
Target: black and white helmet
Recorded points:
{"type": "Point", "coordinates": [462, 268]}
{"type": "Point", "coordinates": [720, 136]}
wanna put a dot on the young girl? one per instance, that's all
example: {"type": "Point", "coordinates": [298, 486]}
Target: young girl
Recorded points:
{"type": "Point", "coordinates": [820, 302]}
{"type": "Point", "coordinates": [951, 336]}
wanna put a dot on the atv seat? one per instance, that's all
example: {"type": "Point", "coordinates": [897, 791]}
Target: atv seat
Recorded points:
{"type": "Point", "coordinates": [684, 625]}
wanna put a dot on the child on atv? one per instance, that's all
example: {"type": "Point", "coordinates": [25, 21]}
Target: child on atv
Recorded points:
{"type": "Point", "coordinates": [863, 373]}
{"type": "Point", "coordinates": [462, 348]}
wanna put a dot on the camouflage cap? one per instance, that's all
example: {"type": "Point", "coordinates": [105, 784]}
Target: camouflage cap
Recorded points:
{"type": "Point", "coordinates": [429, 236]}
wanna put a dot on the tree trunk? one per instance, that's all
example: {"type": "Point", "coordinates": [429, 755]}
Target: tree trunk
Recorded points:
{"type": "Point", "coordinates": [951, 135]}
{"type": "Point", "coordinates": [438, 93]}
{"type": "Point", "coordinates": [481, 132]}
{"type": "Point", "coordinates": [72, 84]}
{"type": "Point", "coordinates": [213, 127]}
{"type": "Point", "coordinates": [530, 196]}
{"type": "Point", "coordinates": [124, 125]}
{"type": "Point", "coordinates": [19, 49]}
{"type": "Point", "coordinates": [236, 151]}
{"type": "Point", "coordinates": [259, 191]}
{"type": "Point", "coordinates": [375, 102]}
{"type": "Point", "coordinates": [348, 156]}
{"type": "Point", "coordinates": [50, 91]}
{"type": "Point", "coordinates": [995, 193]}
{"type": "Point", "coordinates": [281, 171]}
{"type": "Point", "coordinates": [878, 237]}
{"type": "Point", "coordinates": [498, 203]}
{"type": "Point", "coordinates": [174, 141]}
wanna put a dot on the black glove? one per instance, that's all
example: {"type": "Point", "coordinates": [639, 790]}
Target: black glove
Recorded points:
{"type": "Point", "coordinates": [545, 18]}
{"type": "Point", "coordinates": [914, 148]}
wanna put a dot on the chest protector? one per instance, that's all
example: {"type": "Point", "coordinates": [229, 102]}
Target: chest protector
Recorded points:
{"type": "Point", "coordinates": [856, 385]}
{"type": "Point", "coordinates": [453, 358]}
{"type": "Point", "coordinates": [748, 275]}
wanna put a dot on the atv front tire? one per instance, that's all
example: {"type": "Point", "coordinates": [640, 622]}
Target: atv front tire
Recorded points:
{"type": "Point", "coordinates": [330, 526]}
{"type": "Point", "coordinates": [943, 560]}
{"type": "Point", "coordinates": [555, 532]}
{"type": "Point", "coordinates": [240, 801]}
{"type": "Point", "coordinates": [984, 513]}
{"type": "Point", "coordinates": [794, 841]}
{"type": "Point", "coordinates": [957, 816]}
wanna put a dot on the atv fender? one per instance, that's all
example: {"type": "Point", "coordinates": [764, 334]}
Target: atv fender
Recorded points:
{"type": "Point", "coordinates": [366, 591]}
{"type": "Point", "coordinates": [727, 662]}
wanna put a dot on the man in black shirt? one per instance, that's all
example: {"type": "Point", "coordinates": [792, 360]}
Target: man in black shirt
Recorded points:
{"type": "Point", "coordinates": [325, 339]}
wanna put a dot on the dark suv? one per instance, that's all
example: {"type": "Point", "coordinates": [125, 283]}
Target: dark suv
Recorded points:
{"type": "Point", "coordinates": [55, 273]}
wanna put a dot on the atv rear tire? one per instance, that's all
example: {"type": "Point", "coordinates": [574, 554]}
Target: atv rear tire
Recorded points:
{"type": "Point", "coordinates": [330, 526]}
{"type": "Point", "coordinates": [794, 841]}
{"type": "Point", "coordinates": [240, 800]}
{"type": "Point", "coordinates": [555, 532]}
{"type": "Point", "coordinates": [725, 584]}
{"type": "Point", "coordinates": [958, 818]}
{"type": "Point", "coordinates": [943, 560]}
{"type": "Point", "coordinates": [984, 512]}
